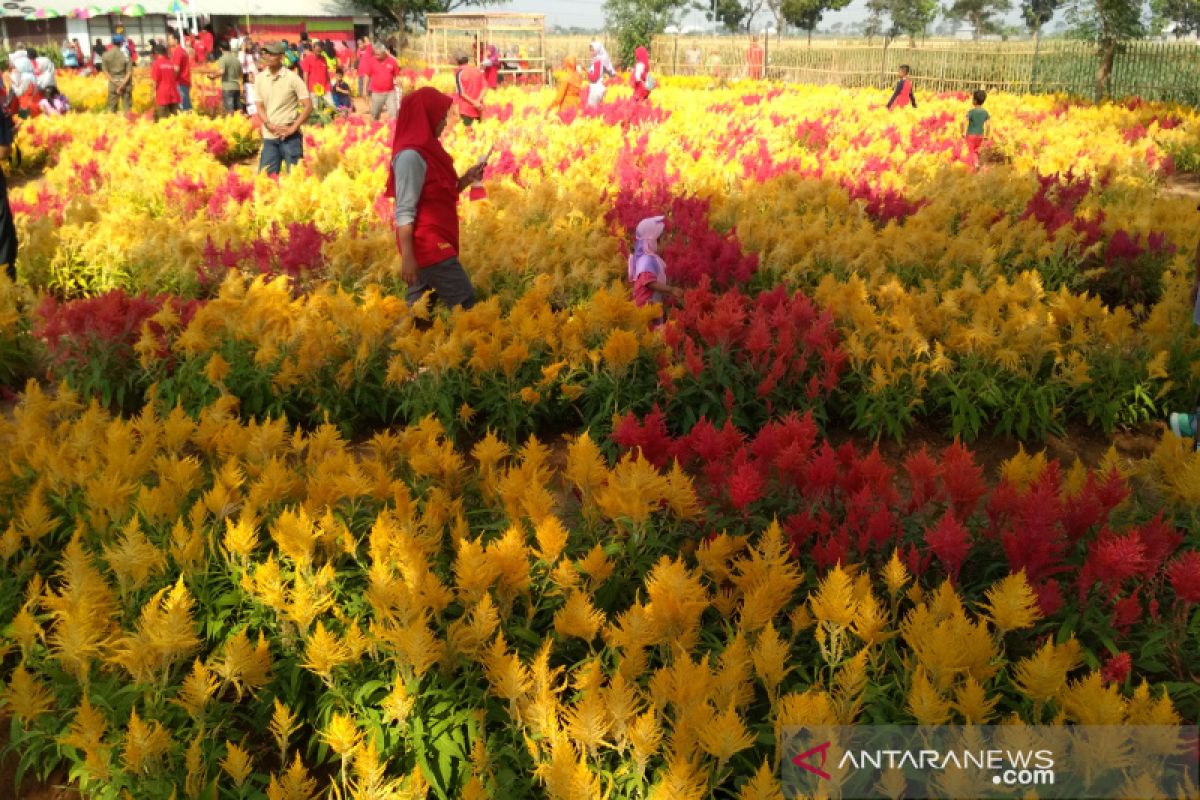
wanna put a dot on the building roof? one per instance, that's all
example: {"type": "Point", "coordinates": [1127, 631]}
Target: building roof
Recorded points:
{"type": "Point", "coordinates": [255, 8]}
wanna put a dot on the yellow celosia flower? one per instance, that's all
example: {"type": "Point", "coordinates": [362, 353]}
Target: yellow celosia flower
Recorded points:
{"type": "Point", "coordinates": [144, 744]}
{"type": "Point", "coordinates": [237, 763]}
{"type": "Point", "coordinates": [578, 618]}
{"type": "Point", "coordinates": [1011, 604]}
{"type": "Point", "coordinates": [342, 734]}
{"type": "Point", "coordinates": [26, 696]}
{"type": "Point", "coordinates": [1043, 676]}
{"type": "Point", "coordinates": [620, 349]}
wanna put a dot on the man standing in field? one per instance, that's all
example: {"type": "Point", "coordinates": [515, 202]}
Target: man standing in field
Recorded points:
{"type": "Point", "coordinates": [120, 76]}
{"type": "Point", "coordinates": [166, 86]}
{"type": "Point", "coordinates": [385, 72]}
{"type": "Point", "coordinates": [469, 87]}
{"type": "Point", "coordinates": [230, 68]}
{"type": "Point", "coordinates": [182, 63]}
{"type": "Point", "coordinates": [283, 106]}
{"type": "Point", "coordinates": [755, 56]}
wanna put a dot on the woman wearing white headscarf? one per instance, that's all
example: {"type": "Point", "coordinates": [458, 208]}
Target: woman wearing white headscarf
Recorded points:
{"type": "Point", "coordinates": [45, 71]}
{"type": "Point", "coordinates": [602, 67]}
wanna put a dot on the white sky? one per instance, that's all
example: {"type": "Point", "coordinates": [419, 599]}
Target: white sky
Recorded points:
{"type": "Point", "coordinates": [590, 13]}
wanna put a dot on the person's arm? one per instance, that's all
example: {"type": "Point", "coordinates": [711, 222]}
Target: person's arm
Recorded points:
{"type": "Point", "coordinates": [408, 171]}
{"type": "Point", "coordinates": [912, 95]}
{"type": "Point", "coordinates": [478, 100]}
{"type": "Point", "coordinates": [260, 111]}
{"type": "Point", "coordinates": [474, 174]}
{"type": "Point", "coordinates": [663, 288]}
{"type": "Point", "coordinates": [560, 98]}
{"type": "Point", "coordinates": [895, 94]}
{"type": "Point", "coordinates": [987, 128]}
{"type": "Point", "coordinates": [306, 107]}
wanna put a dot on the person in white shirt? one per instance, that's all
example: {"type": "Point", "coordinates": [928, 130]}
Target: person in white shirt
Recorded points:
{"type": "Point", "coordinates": [45, 71]}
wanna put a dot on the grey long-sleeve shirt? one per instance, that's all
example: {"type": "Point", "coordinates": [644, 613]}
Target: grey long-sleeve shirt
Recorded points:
{"type": "Point", "coordinates": [409, 171]}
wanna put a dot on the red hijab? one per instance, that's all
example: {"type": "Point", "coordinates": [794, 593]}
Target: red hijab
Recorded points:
{"type": "Point", "coordinates": [416, 129]}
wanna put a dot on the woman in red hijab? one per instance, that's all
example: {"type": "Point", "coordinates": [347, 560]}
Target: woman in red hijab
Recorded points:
{"type": "Point", "coordinates": [641, 74]}
{"type": "Point", "coordinates": [426, 188]}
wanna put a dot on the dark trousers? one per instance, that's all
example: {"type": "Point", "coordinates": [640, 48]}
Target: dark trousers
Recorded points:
{"type": "Point", "coordinates": [232, 100]}
{"type": "Point", "coordinates": [277, 152]}
{"type": "Point", "coordinates": [8, 232]}
{"type": "Point", "coordinates": [162, 112]}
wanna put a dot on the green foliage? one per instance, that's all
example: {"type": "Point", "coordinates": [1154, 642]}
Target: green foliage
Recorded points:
{"type": "Point", "coordinates": [981, 13]}
{"type": "Point", "coordinates": [636, 22]}
{"type": "Point", "coordinates": [892, 18]}
{"type": "Point", "coordinates": [733, 14]}
{"type": "Point", "coordinates": [1037, 13]}
{"type": "Point", "coordinates": [806, 14]}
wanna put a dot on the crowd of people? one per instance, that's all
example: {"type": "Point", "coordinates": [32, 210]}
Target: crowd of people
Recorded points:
{"type": "Point", "coordinates": [282, 85]}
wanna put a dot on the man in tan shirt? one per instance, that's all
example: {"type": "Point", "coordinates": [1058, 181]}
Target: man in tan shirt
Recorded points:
{"type": "Point", "coordinates": [283, 106]}
{"type": "Point", "coordinates": [120, 77]}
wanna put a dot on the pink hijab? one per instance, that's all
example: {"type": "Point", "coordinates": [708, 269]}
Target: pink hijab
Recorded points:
{"type": "Point", "coordinates": [648, 232]}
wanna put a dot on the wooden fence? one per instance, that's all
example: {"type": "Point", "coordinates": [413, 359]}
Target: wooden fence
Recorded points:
{"type": "Point", "coordinates": [1153, 70]}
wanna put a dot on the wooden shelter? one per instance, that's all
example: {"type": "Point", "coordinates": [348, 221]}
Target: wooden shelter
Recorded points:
{"type": "Point", "coordinates": [521, 39]}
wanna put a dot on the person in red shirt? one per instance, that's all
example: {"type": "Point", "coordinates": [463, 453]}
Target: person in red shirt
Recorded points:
{"type": "Point", "coordinates": [366, 58]}
{"type": "Point", "coordinates": [469, 87]}
{"type": "Point", "coordinates": [425, 186]}
{"type": "Point", "coordinates": [491, 66]}
{"type": "Point", "coordinates": [166, 86]}
{"type": "Point", "coordinates": [385, 93]}
{"type": "Point", "coordinates": [903, 95]}
{"type": "Point", "coordinates": [754, 60]}
{"type": "Point", "coordinates": [205, 44]}
{"type": "Point", "coordinates": [315, 69]}
{"type": "Point", "coordinates": [182, 63]}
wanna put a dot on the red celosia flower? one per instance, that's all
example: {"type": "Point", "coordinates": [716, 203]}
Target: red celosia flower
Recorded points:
{"type": "Point", "coordinates": [923, 473]}
{"type": "Point", "coordinates": [1049, 597]}
{"type": "Point", "coordinates": [1184, 575]}
{"type": "Point", "coordinates": [745, 486]}
{"type": "Point", "coordinates": [1117, 668]}
{"type": "Point", "coordinates": [950, 542]}
{"type": "Point", "coordinates": [962, 478]}
{"type": "Point", "coordinates": [1112, 559]}
{"type": "Point", "coordinates": [1126, 612]}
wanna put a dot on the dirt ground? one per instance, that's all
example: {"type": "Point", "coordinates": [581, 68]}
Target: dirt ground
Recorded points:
{"type": "Point", "coordinates": [30, 789]}
{"type": "Point", "coordinates": [1185, 184]}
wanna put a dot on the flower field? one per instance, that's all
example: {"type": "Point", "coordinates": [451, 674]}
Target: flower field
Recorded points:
{"type": "Point", "coordinates": [269, 533]}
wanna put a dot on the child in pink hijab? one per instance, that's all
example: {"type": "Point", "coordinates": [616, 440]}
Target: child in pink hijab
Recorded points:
{"type": "Point", "coordinates": [647, 271]}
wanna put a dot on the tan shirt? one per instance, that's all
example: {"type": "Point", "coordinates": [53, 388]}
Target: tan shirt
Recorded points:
{"type": "Point", "coordinates": [116, 64]}
{"type": "Point", "coordinates": [279, 97]}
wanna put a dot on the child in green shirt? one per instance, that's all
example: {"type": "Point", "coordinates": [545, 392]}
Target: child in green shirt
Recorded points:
{"type": "Point", "coordinates": [978, 128]}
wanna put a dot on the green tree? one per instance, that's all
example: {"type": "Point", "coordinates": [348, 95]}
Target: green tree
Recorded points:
{"type": "Point", "coordinates": [806, 14]}
{"type": "Point", "coordinates": [980, 13]}
{"type": "Point", "coordinates": [892, 18]}
{"type": "Point", "coordinates": [1107, 23]}
{"type": "Point", "coordinates": [407, 14]}
{"type": "Point", "coordinates": [1037, 13]}
{"type": "Point", "coordinates": [1182, 17]}
{"type": "Point", "coordinates": [636, 22]}
{"type": "Point", "coordinates": [734, 15]}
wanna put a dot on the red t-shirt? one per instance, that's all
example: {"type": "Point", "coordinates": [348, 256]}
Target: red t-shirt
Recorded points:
{"type": "Point", "coordinates": [166, 87]}
{"type": "Point", "coordinates": [204, 46]}
{"type": "Point", "coordinates": [470, 83]}
{"type": "Point", "coordinates": [383, 74]}
{"type": "Point", "coordinates": [183, 66]}
{"type": "Point", "coordinates": [316, 71]}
